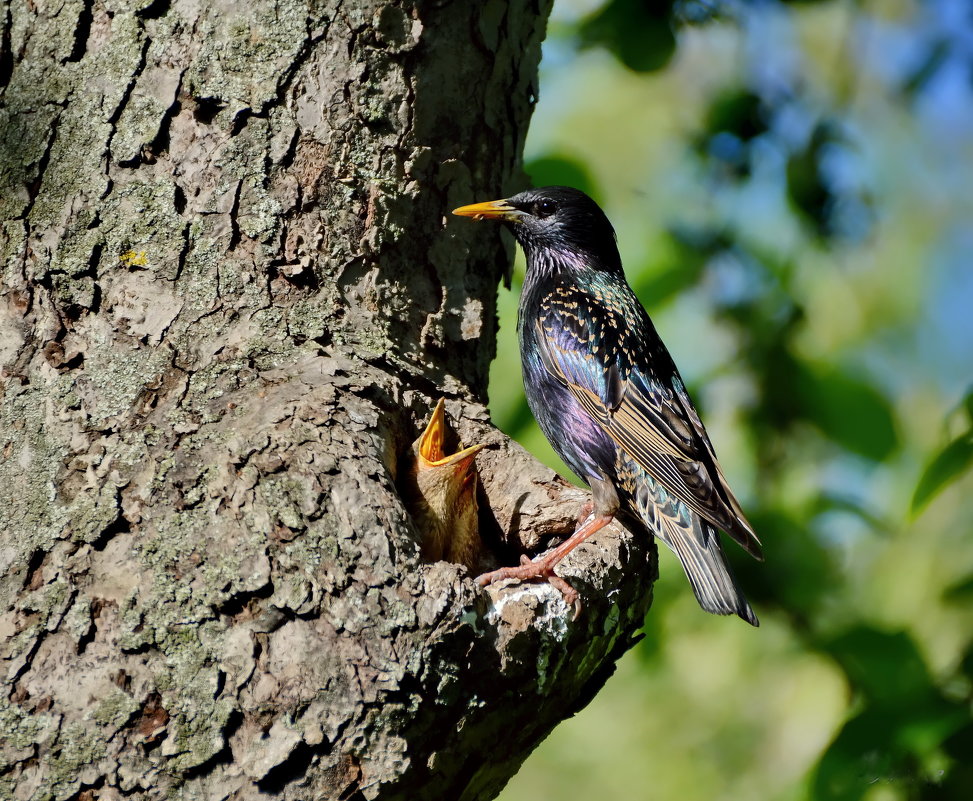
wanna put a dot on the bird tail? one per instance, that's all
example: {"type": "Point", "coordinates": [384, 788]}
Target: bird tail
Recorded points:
{"type": "Point", "coordinates": [709, 573]}
{"type": "Point", "coordinates": [697, 544]}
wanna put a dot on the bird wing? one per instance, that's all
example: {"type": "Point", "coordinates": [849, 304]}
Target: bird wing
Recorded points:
{"type": "Point", "coordinates": [653, 423]}
{"type": "Point", "coordinates": [692, 538]}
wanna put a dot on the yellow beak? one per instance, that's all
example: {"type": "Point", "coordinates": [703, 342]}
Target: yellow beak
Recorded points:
{"type": "Point", "coordinates": [490, 210]}
{"type": "Point", "coordinates": [431, 443]}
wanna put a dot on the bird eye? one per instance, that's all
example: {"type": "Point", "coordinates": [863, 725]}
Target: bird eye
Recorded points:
{"type": "Point", "coordinates": [544, 208]}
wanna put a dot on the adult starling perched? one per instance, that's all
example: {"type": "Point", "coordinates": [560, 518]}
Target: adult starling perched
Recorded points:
{"type": "Point", "coordinates": [441, 496]}
{"type": "Point", "coordinates": [608, 396]}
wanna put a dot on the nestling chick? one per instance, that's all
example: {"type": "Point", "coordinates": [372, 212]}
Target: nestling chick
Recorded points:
{"type": "Point", "coordinates": [441, 496]}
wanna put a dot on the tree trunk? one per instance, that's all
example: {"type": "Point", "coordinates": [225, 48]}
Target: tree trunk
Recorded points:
{"type": "Point", "coordinates": [230, 302]}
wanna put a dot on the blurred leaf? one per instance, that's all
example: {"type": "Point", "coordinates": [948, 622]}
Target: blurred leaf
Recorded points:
{"type": "Point", "coordinates": [637, 32]}
{"type": "Point", "coordinates": [968, 404]}
{"type": "Point", "coordinates": [960, 591]}
{"type": "Point", "coordinates": [699, 243]}
{"type": "Point", "coordinates": [885, 666]}
{"type": "Point", "coordinates": [682, 269]}
{"type": "Point", "coordinates": [696, 12]}
{"type": "Point", "coordinates": [769, 356]}
{"type": "Point", "coordinates": [877, 745]}
{"type": "Point", "coordinates": [733, 120]}
{"type": "Point", "coordinates": [830, 502]}
{"type": "Point", "coordinates": [857, 757]}
{"type": "Point", "coordinates": [903, 721]}
{"type": "Point", "coordinates": [688, 252]}
{"type": "Point", "coordinates": [847, 409]}
{"type": "Point", "coordinates": [661, 286]}
{"type": "Point", "coordinates": [739, 112]}
{"type": "Point", "coordinates": [966, 665]}
{"type": "Point", "coordinates": [928, 68]}
{"type": "Point", "coordinates": [806, 187]}
{"type": "Point", "coordinates": [950, 463]}
{"type": "Point", "coordinates": [799, 572]}
{"type": "Point", "coordinates": [958, 783]}
{"type": "Point", "coordinates": [555, 170]}
{"type": "Point", "coordinates": [818, 188]}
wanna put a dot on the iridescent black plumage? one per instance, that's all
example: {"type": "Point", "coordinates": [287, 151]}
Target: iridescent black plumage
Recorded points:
{"type": "Point", "coordinates": [608, 396]}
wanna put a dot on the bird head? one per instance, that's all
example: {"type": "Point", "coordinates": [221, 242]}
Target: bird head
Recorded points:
{"type": "Point", "coordinates": [555, 225]}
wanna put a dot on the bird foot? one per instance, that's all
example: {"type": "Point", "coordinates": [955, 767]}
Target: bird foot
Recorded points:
{"type": "Point", "coordinates": [584, 513]}
{"type": "Point", "coordinates": [541, 569]}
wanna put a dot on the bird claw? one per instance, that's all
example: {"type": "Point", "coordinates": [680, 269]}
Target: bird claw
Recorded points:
{"type": "Point", "coordinates": [584, 513]}
{"type": "Point", "coordinates": [541, 569]}
{"type": "Point", "coordinates": [569, 593]}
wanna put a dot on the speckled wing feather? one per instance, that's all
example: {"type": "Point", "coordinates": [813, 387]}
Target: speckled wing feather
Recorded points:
{"type": "Point", "coordinates": [586, 347]}
{"type": "Point", "coordinates": [692, 539]}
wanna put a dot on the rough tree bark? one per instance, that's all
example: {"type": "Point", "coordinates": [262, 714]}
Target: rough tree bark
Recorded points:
{"type": "Point", "coordinates": [229, 303]}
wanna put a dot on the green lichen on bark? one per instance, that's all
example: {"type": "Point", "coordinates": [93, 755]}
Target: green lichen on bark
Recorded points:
{"type": "Point", "coordinates": [244, 54]}
{"type": "Point", "coordinates": [140, 216]}
{"type": "Point", "coordinates": [78, 748]}
{"type": "Point", "coordinates": [21, 730]}
{"type": "Point", "coordinates": [115, 710]}
{"type": "Point", "coordinates": [29, 473]}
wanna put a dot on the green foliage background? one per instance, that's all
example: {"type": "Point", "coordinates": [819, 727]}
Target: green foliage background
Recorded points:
{"type": "Point", "coordinates": [791, 185]}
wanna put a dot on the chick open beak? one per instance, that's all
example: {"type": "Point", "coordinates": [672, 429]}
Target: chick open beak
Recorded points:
{"type": "Point", "coordinates": [431, 444]}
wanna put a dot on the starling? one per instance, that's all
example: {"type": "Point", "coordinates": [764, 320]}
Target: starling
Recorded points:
{"type": "Point", "coordinates": [441, 494]}
{"type": "Point", "coordinates": [608, 397]}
